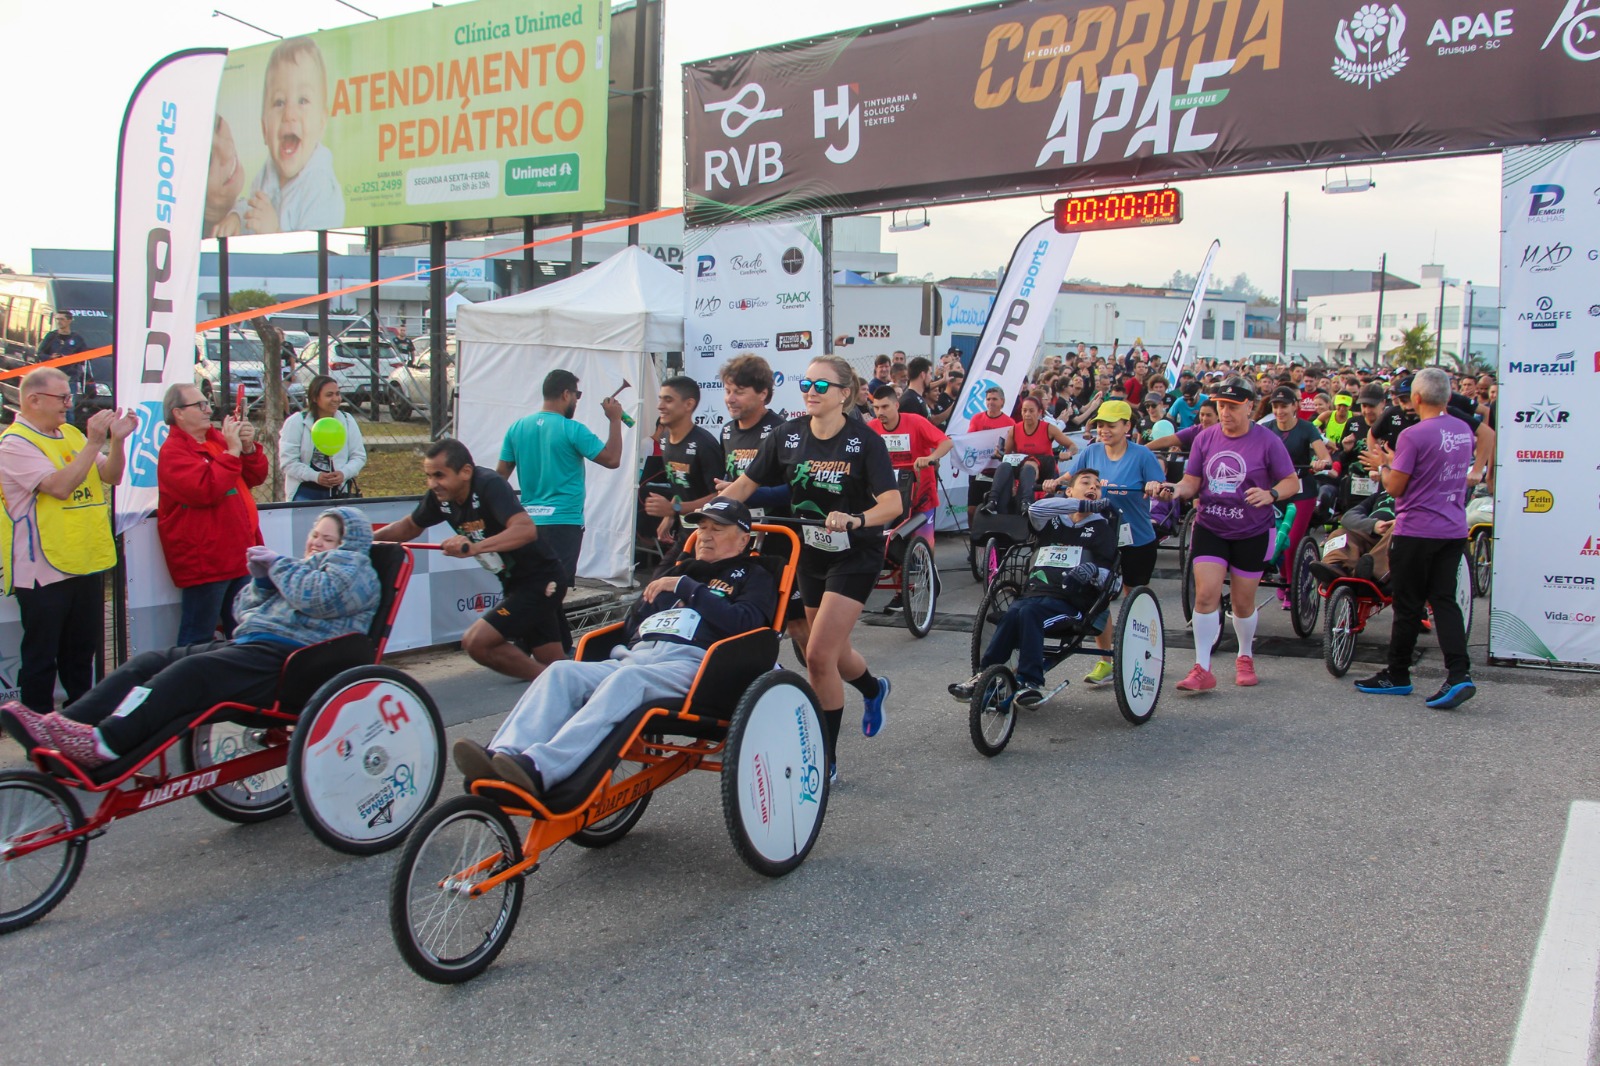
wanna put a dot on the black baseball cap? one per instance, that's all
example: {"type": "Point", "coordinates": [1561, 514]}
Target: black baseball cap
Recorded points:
{"type": "Point", "coordinates": [883, 388]}
{"type": "Point", "coordinates": [724, 511]}
{"type": "Point", "coordinates": [1372, 394]}
{"type": "Point", "coordinates": [1402, 388]}
{"type": "Point", "coordinates": [1235, 390]}
{"type": "Point", "coordinates": [1282, 394]}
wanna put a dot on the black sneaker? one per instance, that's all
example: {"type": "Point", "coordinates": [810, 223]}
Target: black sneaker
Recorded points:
{"type": "Point", "coordinates": [1381, 684]}
{"type": "Point", "coordinates": [963, 690]}
{"type": "Point", "coordinates": [896, 604]}
{"type": "Point", "coordinates": [1325, 573]}
{"type": "Point", "coordinates": [1453, 694]}
{"type": "Point", "coordinates": [1029, 696]}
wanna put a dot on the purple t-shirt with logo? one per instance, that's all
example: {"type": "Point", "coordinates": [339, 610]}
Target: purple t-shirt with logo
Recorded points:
{"type": "Point", "coordinates": [1229, 466]}
{"type": "Point", "coordinates": [1437, 453]}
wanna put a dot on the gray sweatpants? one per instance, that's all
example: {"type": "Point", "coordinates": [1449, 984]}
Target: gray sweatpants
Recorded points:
{"type": "Point", "coordinates": [571, 707]}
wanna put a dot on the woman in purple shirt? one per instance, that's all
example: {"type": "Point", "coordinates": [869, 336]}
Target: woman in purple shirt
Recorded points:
{"type": "Point", "coordinates": [1236, 471]}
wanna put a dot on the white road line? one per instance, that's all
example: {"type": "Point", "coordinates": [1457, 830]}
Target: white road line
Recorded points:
{"type": "Point", "coordinates": [1558, 1013]}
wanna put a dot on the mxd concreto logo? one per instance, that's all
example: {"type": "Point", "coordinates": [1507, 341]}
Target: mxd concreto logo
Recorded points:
{"type": "Point", "coordinates": [1544, 258]}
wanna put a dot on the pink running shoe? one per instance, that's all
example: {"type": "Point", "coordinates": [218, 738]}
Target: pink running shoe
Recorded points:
{"type": "Point", "coordinates": [33, 725]}
{"type": "Point", "coordinates": [1198, 679]}
{"type": "Point", "coordinates": [76, 741]}
{"type": "Point", "coordinates": [1244, 672]}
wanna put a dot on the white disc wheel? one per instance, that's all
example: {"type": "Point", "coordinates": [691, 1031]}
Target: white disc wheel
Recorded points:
{"type": "Point", "coordinates": [367, 759]}
{"type": "Point", "coordinates": [1464, 593]}
{"type": "Point", "coordinates": [250, 799]}
{"type": "Point", "coordinates": [1139, 662]}
{"type": "Point", "coordinates": [775, 774]}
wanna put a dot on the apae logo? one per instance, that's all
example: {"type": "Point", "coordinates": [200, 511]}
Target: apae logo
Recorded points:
{"type": "Point", "coordinates": [1543, 258]}
{"type": "Point", "coordinates": [1369, 45]}
{"type": "Point", "coordinates": [1542, 201]}
{"type": "Point", "coordinates": [1579, 30]}
{"type": "Point", "coordinates": [1538, 501]}
{"type": "Point", "coordinates": [1546, 414]}
{"type": "Point", "coordinates": [1449, 33]}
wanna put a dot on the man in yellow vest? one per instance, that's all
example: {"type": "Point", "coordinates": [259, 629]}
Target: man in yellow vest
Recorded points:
{"type": "Point", "coordinates": [55, 533]}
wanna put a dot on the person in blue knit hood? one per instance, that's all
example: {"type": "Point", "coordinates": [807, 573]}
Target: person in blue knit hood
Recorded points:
{"type": "Point", "coordinates": [288, 604]}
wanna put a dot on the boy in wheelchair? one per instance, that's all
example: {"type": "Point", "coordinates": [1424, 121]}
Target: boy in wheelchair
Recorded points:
{"type": "Point", "coordinates": [290, 603]}
{"type": "Point", "coordinates": [719, 592]}
{"type": "Point", "coordinates": [1076, 558]}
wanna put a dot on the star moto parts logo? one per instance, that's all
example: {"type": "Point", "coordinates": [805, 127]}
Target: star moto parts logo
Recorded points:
{"type": "Point", "coordinates": [1369, 45]}
{"type": "Point", "coordinates": [1546, 414]}
{"type": "Point", "coordinates": [793, 260]}
{"type": "Point", "coordinates": [1578, 26]}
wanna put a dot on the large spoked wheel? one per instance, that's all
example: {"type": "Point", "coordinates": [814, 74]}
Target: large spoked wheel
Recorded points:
{"type": "Point", "coordinates": [1139, 662]}
{"type": "Point", "coordinates": [1339, 631]}
{"type": "Point", "coordinates": [978, 560]}
{"type": "Point", "coordinates": [616, 825]}
{"type": "Point", "coordinates": [1482, 560]}
{"type": "Point", "coordinates": [1464, 593]}
{"type": "Point", "coordinates": [918, 587]}
{"type": "Point", "coordinates": [446, 931]}
{"type": "Point", "coordinates": [1185, 536]}
{"type": "Point", "coordinates": [992, 713]}
{"type": "Point", "coordinates": [775, 774]}
{"type": "Point", "coordinates": [251, 799]}
{"type": "Point", "coordinates": [991, 609]}
{"type": "Point", "coordinates": [1305, 602]}
{"type": "Point", "coordinates": [367, 760]}
{"type": "Point", "coordinates": [34, 808]}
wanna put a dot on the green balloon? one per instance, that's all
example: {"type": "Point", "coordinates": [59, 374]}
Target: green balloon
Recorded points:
{"type": "Point", "coordinates": [327, 435]}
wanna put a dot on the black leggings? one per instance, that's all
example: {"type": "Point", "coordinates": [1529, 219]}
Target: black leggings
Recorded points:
{"type": "Point", "coordinates": [182, 681]}
{"type": "Point", "coordinates": [1011, 482]}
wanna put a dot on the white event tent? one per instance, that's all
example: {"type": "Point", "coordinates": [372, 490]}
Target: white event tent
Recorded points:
{"type": "Point", "coordinates": [603, 325]}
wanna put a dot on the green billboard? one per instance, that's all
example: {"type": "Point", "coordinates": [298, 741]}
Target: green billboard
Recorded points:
{"type": "Point", "coordinates": [491, 108]}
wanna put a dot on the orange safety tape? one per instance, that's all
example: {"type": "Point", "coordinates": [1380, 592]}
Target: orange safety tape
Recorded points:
{"type": "Point", "coordinates": [288, 305]}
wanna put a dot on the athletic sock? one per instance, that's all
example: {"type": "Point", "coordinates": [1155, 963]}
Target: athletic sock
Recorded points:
{"type": "Point", "coordinates": [102, 747]}
{"type": "Point", "coordinates": [1207, 628]}
{"type": "Point", "coordinates": [831, 720]}
{"type": "Point", "coordinates": [1245, 630]}
{"type": "Point", "coordinates": [866, 684]}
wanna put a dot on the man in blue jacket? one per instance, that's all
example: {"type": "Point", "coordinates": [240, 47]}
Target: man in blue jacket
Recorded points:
{"type": "Point", "coordinates": [570, 708]}
{"type": "Point", "coordinates": [290, 603]}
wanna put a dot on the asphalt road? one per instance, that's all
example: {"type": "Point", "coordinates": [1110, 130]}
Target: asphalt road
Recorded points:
{"type": "Point", "coordinates": [1289, 874]}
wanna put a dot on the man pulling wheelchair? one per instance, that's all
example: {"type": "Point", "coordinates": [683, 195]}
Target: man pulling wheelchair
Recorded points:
{"type": "Point", "coordinates": [289, 604]}
{"type": "Point", "coordinates": [1076, 556]}
{"type": "Point", "coordinates": [719, 592]}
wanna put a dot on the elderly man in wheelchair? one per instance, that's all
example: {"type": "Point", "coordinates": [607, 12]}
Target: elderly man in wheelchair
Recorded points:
{"type": "Point", "coordinates": [1077, 557]}
{"type": "Point", "coordinates": [569, 710]}
{"type": "Point", "coordinates": [289, 604]}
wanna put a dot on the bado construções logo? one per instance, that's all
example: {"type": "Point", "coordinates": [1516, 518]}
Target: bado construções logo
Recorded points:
{"type": "Point", "coordinates": [1369, 45]}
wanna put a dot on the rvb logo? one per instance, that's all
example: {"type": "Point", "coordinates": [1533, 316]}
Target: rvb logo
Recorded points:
{"type": "Point", "coordinates": [1543, 201]}
{"type": "Point", "coordinates": [762, 161]}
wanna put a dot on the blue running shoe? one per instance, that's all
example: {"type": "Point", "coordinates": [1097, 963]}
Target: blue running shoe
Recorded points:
{"type": "Point", "coordinates": [1452, 694]}
{"type": "Point", "coordinates": [833, 773]}
{"type": "Point", "coordinates": [872, 712]}
{"type": "Point", "coordinates": [1381, 684]}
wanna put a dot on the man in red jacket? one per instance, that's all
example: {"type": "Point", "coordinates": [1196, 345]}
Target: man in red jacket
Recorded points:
{"type": "Point", "coordinates": [206, 516]}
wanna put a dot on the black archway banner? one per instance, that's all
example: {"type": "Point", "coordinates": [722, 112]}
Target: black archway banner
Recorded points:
{"type": "Point", "coordinates": [1016, 97]}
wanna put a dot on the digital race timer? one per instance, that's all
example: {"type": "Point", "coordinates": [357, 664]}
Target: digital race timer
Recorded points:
{"type": "Point", "coordinates": [1119, 210]}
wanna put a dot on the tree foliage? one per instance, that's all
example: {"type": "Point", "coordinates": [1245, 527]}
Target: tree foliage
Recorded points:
{"type": "Point", "coordinates": [1414, 351]}
{"type": "Point", "coordinates": [274, 401]}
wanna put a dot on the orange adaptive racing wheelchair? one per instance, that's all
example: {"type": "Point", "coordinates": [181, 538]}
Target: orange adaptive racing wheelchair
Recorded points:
{"type": "Point", "coordinates": [355, 747]}
{"type": "Point", "coordinates": [457, 889]}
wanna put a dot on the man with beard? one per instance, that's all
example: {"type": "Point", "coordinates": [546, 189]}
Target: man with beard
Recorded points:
{"type": "Point", "coordinates": [547, 450]}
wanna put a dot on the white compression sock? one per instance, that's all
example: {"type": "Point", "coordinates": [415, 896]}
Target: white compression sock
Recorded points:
{"type": "Point", "coordinates": [1245, 630]}
{"type": "Point", "coordinates": [1207, 628]}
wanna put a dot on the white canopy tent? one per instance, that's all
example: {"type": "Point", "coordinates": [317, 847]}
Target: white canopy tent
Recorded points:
{"type": "Point", "coordinates": [603, 325]}
{"type": "Point", "coordinates": [453, 305]}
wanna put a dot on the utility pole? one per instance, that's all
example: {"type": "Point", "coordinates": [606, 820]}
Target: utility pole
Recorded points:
{"type": "Point", "coordinates": [1283, 287]}
{"type": "Point", "coordinates": [1466, 344]}
{"type": "Point", "coordinates": [1438, 343]}
{"type": "Point", "coordinates": [1377, 332]}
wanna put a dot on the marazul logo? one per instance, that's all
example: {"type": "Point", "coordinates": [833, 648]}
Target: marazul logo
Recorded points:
{"type": "Point", "coordinates": [1471, 28]}
{"type": "Point", "coordinates": [1546, 316]}
{"type": "Point", "coordinates": [706, 266]}
{"type": "Point", "coordinates": [1359, 39]}
{"type": "Point", "coordinates": [1541, 259]}
{"type": "Point", "coordinates": [789, 301]}
{"type": "Point", "coordinates": [749, 303]}
{"type": "Point", "coordinates": [1580, 38]}
{"type": "Point", "coordinates": [1565, 366]}
{"type": "Point", "coordinates": [746, 266]}
{"type": "Point", "coordinates": [1546, 414]}
{"type": "Point", "coordinates": [1542, 201]}
{"type": "Point", "coordinates": [706, 306]}
{"type": "Point", "coordinates": [751, 344]}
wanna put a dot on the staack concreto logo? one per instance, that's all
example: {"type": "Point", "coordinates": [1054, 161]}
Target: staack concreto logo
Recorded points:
{"type": "Point", "coordinates": [1369, 45]}
{"type": "Point", "coordinates": [793, 301]}
{"type": "Point", "coordinates": [1579, 28]}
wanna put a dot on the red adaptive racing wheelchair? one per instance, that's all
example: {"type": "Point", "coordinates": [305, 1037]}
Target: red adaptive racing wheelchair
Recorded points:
{"type": "Point", "coordinates": [354, 746]}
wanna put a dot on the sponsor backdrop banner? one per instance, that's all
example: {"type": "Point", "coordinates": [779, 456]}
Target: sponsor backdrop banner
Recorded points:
{"type": "Point", "coordinates": [1546, 588]}
{"type": "Point", "coordinates": [468, 111]}
{"type": "Point", "coordinates": [756, 289]}
{"type": "Point", "coordinates": [161, 183]}
{"type": "Point", "coordinates": [1020, 96]}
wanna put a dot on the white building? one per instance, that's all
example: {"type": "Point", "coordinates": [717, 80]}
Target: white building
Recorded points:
{"type": "Point", "coordinates": [1345, 324]}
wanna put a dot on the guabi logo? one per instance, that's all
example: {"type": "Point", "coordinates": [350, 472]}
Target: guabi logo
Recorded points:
{"type": "Point", "coordinates": [478, 602]}
{"type": "Point", "coordinates": [1369, 45]}
{"type": "Point", "coordinates": [749, 303]}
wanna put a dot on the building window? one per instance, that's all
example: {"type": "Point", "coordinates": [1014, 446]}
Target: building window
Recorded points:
{"type": "Point", "coordinates": [1390, 321]}
{"type": "Point", "coordinates": [1169, 331]}
{"type": "Point", "coordinates": [1422, 319]}
{"type": "Point", "coordinates": [1316, 323]}
{"type": "Point", "coordinates": [1364, 322]}
{"type": "Point", "coordinates": [1208, 329]}
{"type": "Point", "coordinates": [1452, 318]}
{"type": "Point", "coordinates": [1227, 329]}
{"type": "Point", "coordinates": [1134, 326]}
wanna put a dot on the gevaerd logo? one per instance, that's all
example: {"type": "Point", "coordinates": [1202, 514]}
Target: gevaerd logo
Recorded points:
{"type": "Point", "coordinates": [1369, 45]}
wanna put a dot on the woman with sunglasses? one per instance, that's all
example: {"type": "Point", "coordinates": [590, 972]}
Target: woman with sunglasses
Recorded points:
{"type": "Point", "coordinates": [837, 470]}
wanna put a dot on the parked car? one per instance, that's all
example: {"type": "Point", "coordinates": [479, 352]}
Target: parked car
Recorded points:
{"type": "Point", "coordinates": [245, 367]}
{"type": "Point", "coordinates": [27, 315]}
{"type": "Point", "coordinates": [411, 384]}
{"type": "Point", "coordinates": [348, 365]}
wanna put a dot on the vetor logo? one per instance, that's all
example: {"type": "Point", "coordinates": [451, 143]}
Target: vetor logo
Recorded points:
{"type": "Point", "coordinates": [1543, 258]}
{"type": "Point", "coordinates": [1580, 33]}
{"type": "Point", "coordinates": [1547, 316]}
{"type": "Point", "coordinates": [1538, 501]}
{"type": "Point", "coordinates": [706, 267]}
{"type": "Point", "coordinates": [1369, 45]}
{"type": "Point", "coordinates": [1542, 201]}
{"type": "Point", "coordinates": [1466, 27]}
{"type": "Point", "coordinates": [799, 341]}
{"type": "Point", "coordinates": [1569, 582]}
{"type": "Point", "coordinates": [1546, 414]}
{"type": "Point", "coordinates": [1564, 366]}
{"type": "Point", "coordinates": [793, 261]}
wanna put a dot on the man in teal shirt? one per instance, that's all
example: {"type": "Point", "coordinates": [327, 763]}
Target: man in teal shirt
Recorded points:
{"type": "Point", "coordinates": [547, 450]}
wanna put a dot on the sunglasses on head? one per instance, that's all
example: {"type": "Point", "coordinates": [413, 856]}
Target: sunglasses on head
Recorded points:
{"type": "Point", "coordinates": [819, 386]}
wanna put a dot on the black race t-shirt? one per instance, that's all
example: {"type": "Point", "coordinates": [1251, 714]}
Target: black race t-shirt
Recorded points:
{"type": "Point", "coordinates": [739, 446]}
{"type": "Point", "coordinates": [693, 464]}
{"type": "Point", "coordinates": [912, 402]}
{"type": "Point", "coordinates": [491, 502]}
{"type": "Point", "coordinates": [847, 472]}
{"type": "Point", "coordinates": [1298, 439]}
{"type": "Point", "coordinates": [1396, 418]}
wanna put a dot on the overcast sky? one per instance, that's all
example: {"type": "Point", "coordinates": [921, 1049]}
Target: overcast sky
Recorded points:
{"type": "Point", "coordinates": [68, 95]}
